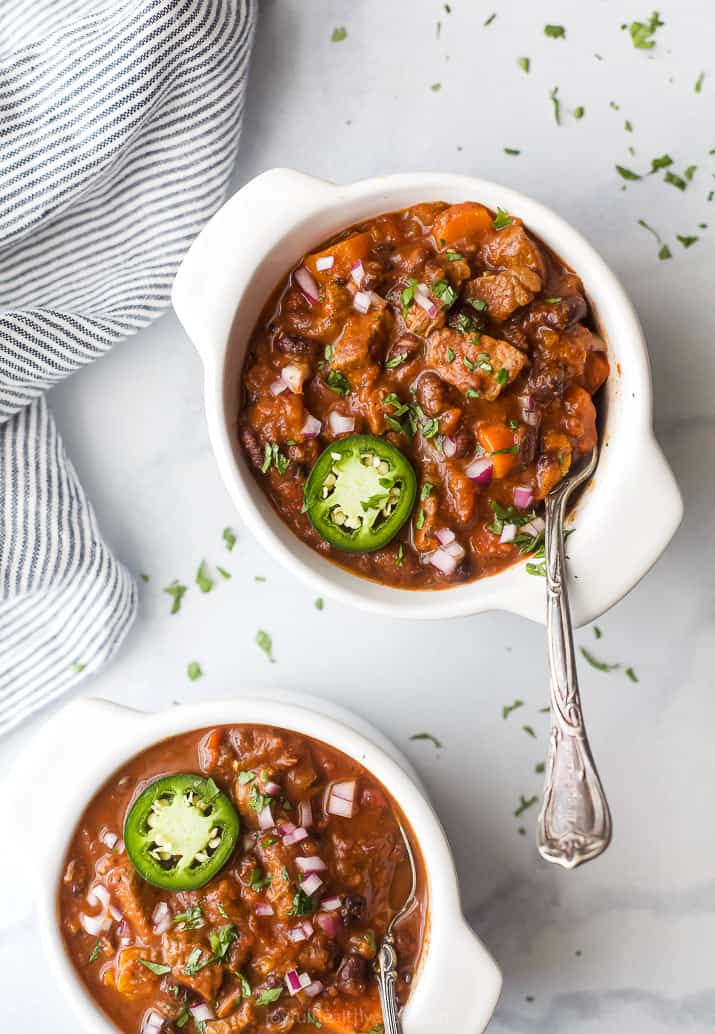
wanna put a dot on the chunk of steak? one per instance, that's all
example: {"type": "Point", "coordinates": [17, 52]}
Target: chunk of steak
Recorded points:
{"type": "Point", "coordinates": [512, 247]}
{"type": "Point", "coordinates": [506, 291]}
{"type": "Point", "coordinates": [483, 363]}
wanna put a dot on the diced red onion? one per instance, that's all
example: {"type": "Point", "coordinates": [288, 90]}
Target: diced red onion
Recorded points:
{"type": "Point", "coordinates": [295, 837]}
{"type": "Point", "coordinates": [314, 989]}
{"type": "Point", "coordinates": [441, 559]}
{"type": "Point", "coordinates": [265, 818]}
{"type": "Point", "coordinates": [278, 387]}
{"type": "Point", "coordinates": [311, 427]}
{"type": "Point", "coordinates": [310, 863]}
{"type": "Point", "coordinates": [449, 447]}
{"type": "Point", "coordinates": [286, 827]}
{"type": "Point", "coordinates": [454, 550]}
{"type": "Point", "coordinates": [272, 789]}
{"type": "Point", "coordinates": [109, 839]}
{"type": "Point", "coordinates": [264, 910]}
{"type": "Point", "coordinates": [307, 285]}
{"type": "Point", "coordinates": [324, 262]}
{"type": "Point", "coordinates": [116, 914]}
{"type": "Point", "coordinates": [202, 1012]}
{"type": "Point", "coordinates": [123, 930]}
{"type": "Point", "coordinates": [480, 470]}
{"type": "Point", "coordinates": [339, 423]}
{"type": "Point", "coordinates": [294, 982]}
{"type": "Point", "coordinates": [310, 884]}
{"type": "Point", "coordinates": [305, 813]}
{"type": "Point", "coordinates": [523, 497]}
{"type": "Point", "coordinates": [307, 928]}
{"type": "Point", "coordinates": [297, 934]}
{"type": "Point", "coordinates": [526, 403]}
{"type": "Point", "coordinates": [345, 790]}
{"type": "Point", "coordinates": [534, 527]}
{"type": "Point", "coordinates": [337, 806]}
{"type": "Point", "coordinates": [445, 536]}
{"type": "Point", "coordinates": [331, 903]}
{"type": "Point", "coordinates": [425, 303]}
{"type": "Point", "coordinates": [357, 272]}
{"type": "Point", "coordinates": [98, 894]}
{"type": "Point", "coordinates": [120, 847]}
{"type": "Point", "coordinates": [361, 302]}
{"type": "Point", "coordinates": [294, 375]}
{"type": "Point", "coordinates": [152, 1022]}
{"type": "Point", "coordinates": [94, 925]}
{"type": "Point", "coordinates": [161, 918]}
{"type": "Point", "coordinates": [330, 923]}
{"type": "Point", "coordinates": [508, 533]}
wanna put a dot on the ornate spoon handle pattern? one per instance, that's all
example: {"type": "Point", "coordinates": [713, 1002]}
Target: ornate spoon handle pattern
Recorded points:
{"type": "Point", "coordinates": [386, 975]}
{"type": "Point", "coordinates": [574, 822]}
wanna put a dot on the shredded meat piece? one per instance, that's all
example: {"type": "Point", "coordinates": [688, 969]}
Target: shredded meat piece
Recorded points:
{"type": "Point", "coordinates": [130, 893]}
{"type": "Point", "coordinates": [512, 247]}
{"type": "Point", "coordinates": [237, 1021]}
{"type": "Point", "coordinates": [133, 978]}
{"type": "Point", "coordinates": [505, 292]}
{"type": "Point", "coordinates": [467, 362]}
{"type": "Point", "coordinates": [177, 946]}
{"type": "Point", "coordinates": [362, 339]}
{"type": "Point", "coordinates": [320, 321]}
{"type": "Point", "coordinates": [258, 747]}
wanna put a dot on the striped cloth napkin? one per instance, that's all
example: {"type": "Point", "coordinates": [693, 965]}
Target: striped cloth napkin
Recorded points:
{"type": "Point", "coordinates": [119, 122]}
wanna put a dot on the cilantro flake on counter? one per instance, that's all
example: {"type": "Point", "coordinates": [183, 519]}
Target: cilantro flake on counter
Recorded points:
{"type": "Point", "coordinates": [427, 736]}
{"type": "Point", "coordinates": [665, 252]}
{"type": "Point", "coordinates": [687, 241]}
{"type": "Point", "coordinates": [511, 150]}
{"type": "Point", "coordinates": [77, 667]}
{"type": "Point", "coordinates": [627, 174]}
{"type": "Point", "coordinates": [529, 730]}
{"type": "Point", "coordinates": [690, 172]}
{"type": "Point", "coordinates": [436, 87]}
{"type": "Point", "coordinates": [595, 663]}
{"type": "Point", "coordinates": [319, 603]}
{"type": "Point", "coordinates": [579, 112]}
{"type": "Point", "coordinates": [204, 581]}
{"type": "Point", "coordinates": [339, 34]}
{"type": "Point", "coordinates": [229, 538]}
{"type": "Point", "coordinates": [597, 632]}
{"type": "Point", "coordinates": [699, 83]}
{"type": "Point", "coordinates": [554, 98]}
{"type": "Point", "coordinates": [524, 803]}
{"type": "Point", "coordinates": [177, 591]}
{"type": "Point", "coordinates": [555, 31]}
{"type": "Point", "coordinates": [628, 126]}
{"type": "Point", "coordinates": [675, 180]}
{"type": "Point", "coordinates": [642, 32]}
{"type": "Point", "coordinates": [490, 19]}
{"type": "Point", "coordinates": [193, 670]}
{"type": "Point", "coordinates": [630, 672]}
{"type": "Point", "coordinates": [540, 768]}
{"type": "Point", "coordinates": [508, 708]}
{"type": "Point", "coordinates": [524, 64]}
{"type": "Point", "coordinates": [264, 641]}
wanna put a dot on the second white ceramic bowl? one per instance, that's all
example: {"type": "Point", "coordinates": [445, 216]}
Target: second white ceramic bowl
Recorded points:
{"type": "Point", "coordinates": [632, 507]}
{"type": "Point", "coordinates": [458, 983]}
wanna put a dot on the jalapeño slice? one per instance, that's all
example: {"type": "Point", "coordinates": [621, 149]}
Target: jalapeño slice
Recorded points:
{"type": "Point", "coordinates": [360, 493]}
{"type": "Point", "coordinates": [180, 831]}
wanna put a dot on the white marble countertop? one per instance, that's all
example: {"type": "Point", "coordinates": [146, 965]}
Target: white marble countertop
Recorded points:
{"type": "Point", "coordinates": [624, 945]}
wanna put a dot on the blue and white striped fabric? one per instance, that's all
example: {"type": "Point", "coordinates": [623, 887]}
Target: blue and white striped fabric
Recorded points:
{"type": "Point", "coordinates": [119, 121]}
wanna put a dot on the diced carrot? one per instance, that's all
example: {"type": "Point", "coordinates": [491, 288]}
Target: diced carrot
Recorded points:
{"type": "Point", "coordinates": [344, 254]}
{"type": "Point", "coordinates": [596, 371]}
{"type": "Point", "coordinates": [494, 438]}
{"type": "Point", "coordinates": [467, 223]}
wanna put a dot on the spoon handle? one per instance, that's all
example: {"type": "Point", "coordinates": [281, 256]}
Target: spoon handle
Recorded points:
{"type": "Point", "coordinates": [575, 822]}
{"type": "Point", "coordinates": [386, 975]}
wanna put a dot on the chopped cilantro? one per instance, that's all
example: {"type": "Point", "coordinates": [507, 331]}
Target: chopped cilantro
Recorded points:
{"type": "Point", "coordinates": [665, 252]}
{"type": "Point", "coordinates": [642, 32]}
{"type": "Point", "coordinates": [631, 675]}
{"type": "Point", "coordinates": [579, 112]}
{"type": "Point", "coordinates": [408, 295]}
{"type": "Point", "coordinates": [555, 31]}
{"type": "Point", "coordinates": [96, 951]}
{"type": "Point", "coordinates": [204, 581]}
{"type": "Point", "coordinates": [675, 180]}
{"type": "Point", "coordinates": [454, 256]}
{"type": "Point", "coordinates": [502, 376]}
{"type": "Point", "coordinates": [177, 591]}
{"type": "Point", "coordinates": [311, 1018]}
{"type": "Point", "coordinates": [194, 670]}
{"type": "Point", "coordinates": [303, 904]}
{"type": "Point", "coordinates": [660, 163]}
{"type": "Point", "coordinates": [77, 667]}
{"type": "Point", "coordinates": [319, 603]}
{"type": "Point", "coordinates": [478, 303]}
{"type": "Point", "coordinates": [528, 729]}
{"type": "Point", "coordinates": [627, 174]}
{"type": "Point", "coordinates": [400, 556]}
{"type": "Point", "coordinates": [221, 940]}
{"type": "Point", "coordinates": [628, 126]}
{"type": "Point", "coordinates": [339, 35]}
{"type": "Point", "coordinates": [699, 82]}
{"type": "Point", "coordinates": [690, 172]}
{"type": "Point", "coordinates": [229, 537]}
{"type": "Point", "coordinates": [686, 241]}
{"type": "Point", "coordinates": [245, 986]}
{"type": "Point", "coordinates": [451, 355]}
{"type": "Point", "coordinates": [436, 87]}
{"type": "Point", "coordinates": [338, 383]}
{"type": "Point", "coordinates": [395, 361]}
{"type": "Point", "coordinates": [540, 768]}
{"type": "Point", "coordinates": [537, 569]}
{"type": "Point", "coordinates": [597, 632]}
{"type": "Point", "coordinates": [144, 577]}
{"type": "Point", "coordinates": [155, 967]}
{"type": "Point", "coordinates": [472, 394]}
{"type": "Point", "coordinates": [246, 777]}
{"type": "Point", "coordinates": [223, 572]}
{"type": "Point", "coordinates": [511, 150]}
{"type": "Point", "coordinates": [272, 456]}
{"type": "Point", "coordinates": [502, 220]}
{"type": "Point", "coordinates": [524, 64]}
{"type": "Point", "coordinates": [508, 708]}
{"type": "Point", "coordinates": [265, 642]}
{"type": "Point", "coordinates": [420, 518]}
{"type": "Point", "coordinates": [490, 19]}
{"type": "Point", "coordinates": [191, 919]}
{"type": "Point", "coordinates": [426, 736]}
{"type": "Point", "coordinates": [270, 995]}
{"type": "Point", "coordinates": [644, 224]}
{"type": "Point", "coordinates": [524, 803]}
{"type": "Point", "coordinates": [445, 292]}
{"type": "Point", "coordinates": [553, 96]}
{"type": "Point", "coordinates": [595, 663]}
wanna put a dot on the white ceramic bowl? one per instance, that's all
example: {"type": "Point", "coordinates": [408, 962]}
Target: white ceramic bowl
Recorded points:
{"type": "Point", "coordinates": [458, 983]}
{"type": "Point", "coordinates": [625, 519]}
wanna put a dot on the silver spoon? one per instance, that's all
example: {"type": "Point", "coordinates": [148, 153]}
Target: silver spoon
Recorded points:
{"type": "Point", "coordinates": [574, 822]}
{"type": "Point", "coordinates": [386, 959]}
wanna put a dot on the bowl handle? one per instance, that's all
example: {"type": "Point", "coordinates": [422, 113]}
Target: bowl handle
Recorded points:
{"type": "Point", "coordinates": [223, 258]}
{"type": "Point", "coordinates": [476, 981]}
